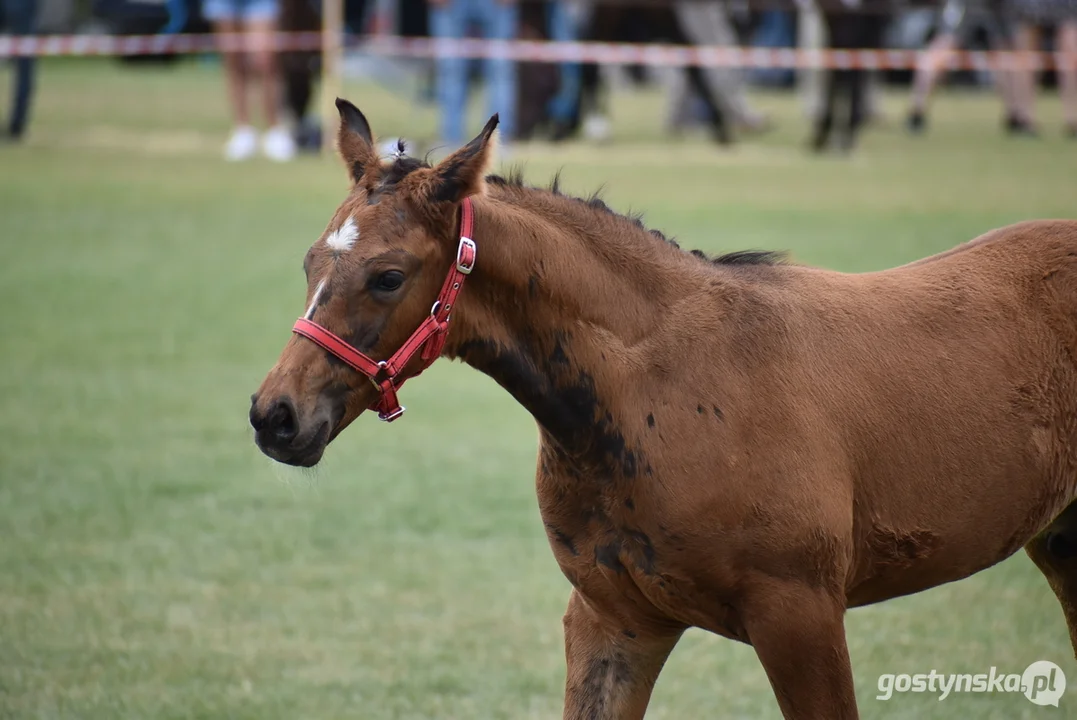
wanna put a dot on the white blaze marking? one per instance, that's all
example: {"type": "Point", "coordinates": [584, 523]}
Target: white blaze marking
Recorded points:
{"type": "Point", "coordinates": [314, 301]}
{"type": "Point", "coordinates": [343, 237]}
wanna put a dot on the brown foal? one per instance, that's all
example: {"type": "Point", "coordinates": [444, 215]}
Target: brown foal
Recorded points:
{"type": "Point", "coordinates": [738, 444]}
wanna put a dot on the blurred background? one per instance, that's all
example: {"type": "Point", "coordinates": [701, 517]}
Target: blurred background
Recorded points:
{"type": "Point", "coordinates": [157, 197]}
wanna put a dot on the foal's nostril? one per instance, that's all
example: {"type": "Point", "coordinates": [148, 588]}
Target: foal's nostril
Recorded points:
{"type": "Point", "coordinates": [258, 420]}
{"type": "Point", "coordinates": [282, 421]}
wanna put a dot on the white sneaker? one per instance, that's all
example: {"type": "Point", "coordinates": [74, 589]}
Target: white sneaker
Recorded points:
{"type": "Point", "coordinates": [242, 145]}
{"type": "Point", "coordinates": [278, 144]}
{"type": "Point", "coordinates": [596, 128]}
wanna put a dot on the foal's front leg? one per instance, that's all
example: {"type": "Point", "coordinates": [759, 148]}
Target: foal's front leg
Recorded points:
{"type": "Point", "coordinates": [611, 669]}
{"type": "Point", "coordinates": [798, 632]}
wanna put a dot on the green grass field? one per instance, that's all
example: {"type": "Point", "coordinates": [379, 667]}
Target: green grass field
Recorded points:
{"type": "Point", "coordinates": [153, 564]}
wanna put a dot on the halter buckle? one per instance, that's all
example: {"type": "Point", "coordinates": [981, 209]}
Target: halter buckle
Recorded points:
{"type": "Point", "coordinates": [394, 414]}
{"type": "Point", "coordinates": [465, 256]}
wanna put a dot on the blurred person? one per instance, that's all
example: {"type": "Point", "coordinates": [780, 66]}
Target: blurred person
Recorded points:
{"type": "Point", "coordinates": [19, 17]}
{"type": "Point", "coordinates": [496, 20]}
{"type": "Point", "coordinates": [255, 64]}
{"type": "Point", "coordinates": [812, 81]}
{"type": "Point", "coordinates": [564, 19]}
{"type": "Point", "coordinates": [706, 22]}
{"type": "Point", "coordinates": [1031, 15]}
{"type": "Point", "coordinates": [299, 71]}
{"type": "Point", "coordinates": [954, 29]}
{"type": "Point", "coordinates": [850, 25]}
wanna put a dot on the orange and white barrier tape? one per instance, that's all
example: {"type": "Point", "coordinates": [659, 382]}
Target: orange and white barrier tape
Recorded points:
{"type": "Point", "coordinates": [523, 50]}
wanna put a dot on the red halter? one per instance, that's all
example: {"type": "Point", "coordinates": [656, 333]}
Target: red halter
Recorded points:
{"type": "Point", "coordinates": [429, 336]}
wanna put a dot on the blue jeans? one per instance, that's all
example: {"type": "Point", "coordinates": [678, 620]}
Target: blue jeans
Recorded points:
{"type": "Point", "coordinates": [18, 18]}
{"type": "Point", "coordinates": [496, 21]}
{"type": "Point", "coordinates": [563, 26]}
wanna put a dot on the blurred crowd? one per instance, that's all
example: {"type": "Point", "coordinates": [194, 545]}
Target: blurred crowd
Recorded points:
{"type": "Point", "coordinates": [569, 99]}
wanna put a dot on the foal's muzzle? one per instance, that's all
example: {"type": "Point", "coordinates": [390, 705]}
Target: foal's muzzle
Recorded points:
{"type": "Point", "coordinates": [278, 433]}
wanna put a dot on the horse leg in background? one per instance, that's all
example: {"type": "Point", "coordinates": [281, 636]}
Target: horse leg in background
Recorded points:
{"type": "Point", "coordinates": [1054, 551]}
{"type": "Point", "coordinates": [611, 669]}
{"type": "Point", "coordinates": [798, 632]}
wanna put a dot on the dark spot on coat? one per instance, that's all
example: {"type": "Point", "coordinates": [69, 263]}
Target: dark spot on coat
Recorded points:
{"type": "Point", "coordinates": [718, 413]}
{"type": "Point", "coordinates": [558, 356]}
{"type": "Point", "coordinates": [645, 559]}
{"type": "Point", "coordinates": [629, 504]}
{"type": "Point", "coordinates": [363, 339]}
{"type": "Point", "coordinates": [532, 286]}
{"type": "Point", "coordinates": [604, 676]}
{"type": "Point", "coordinates": [699, 409]}
{"type": "Point", "coordinates": [650, 419]}
{"type": "Point", "coordinates": [898, 549]}
{"type": "Point", "coordinates": [607, 555]}
{"type": "Point", "coordinates": [629, 634]}
{"type": "Point", "coordinates": [562, 400]}
{"type": "Point", "coordinates": [563, 539]}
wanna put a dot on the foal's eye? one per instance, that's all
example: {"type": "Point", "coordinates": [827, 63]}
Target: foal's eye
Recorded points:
{"type": "Point", "coordinates": [389, 280]}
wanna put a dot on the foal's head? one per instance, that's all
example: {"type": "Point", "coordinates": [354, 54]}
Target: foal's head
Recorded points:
{"type": "Point", "coordinates": [372, 278]}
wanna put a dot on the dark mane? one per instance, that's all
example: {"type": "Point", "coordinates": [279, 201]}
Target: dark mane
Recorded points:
{"type": "Point", "coordinates": [403, 165]}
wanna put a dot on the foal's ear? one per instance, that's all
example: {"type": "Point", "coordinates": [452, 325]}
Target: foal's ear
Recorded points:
{"type": "Point", "coordinates": [461, 174]}
{"type": "Point", "coordinates": [354, 141]}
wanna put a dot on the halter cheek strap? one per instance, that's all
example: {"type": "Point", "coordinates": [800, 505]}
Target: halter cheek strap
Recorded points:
{"type": "Point", "coordinates": [429, 337]}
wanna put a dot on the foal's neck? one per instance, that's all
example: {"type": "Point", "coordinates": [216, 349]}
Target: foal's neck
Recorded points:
{"type": "Point", "coordinates": [562, 310]}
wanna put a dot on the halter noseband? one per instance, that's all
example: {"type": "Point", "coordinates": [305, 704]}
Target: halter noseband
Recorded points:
{"type": "Point", "coordinates": [429, 336]}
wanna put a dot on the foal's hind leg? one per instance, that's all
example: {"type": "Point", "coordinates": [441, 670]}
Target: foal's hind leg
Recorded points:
{"type": "Point", "coordinates": [798, 632]}
{"type": "Point", "coordinates": [1055, 553]}
{"type": "Point", "coordinates": [611, 669]}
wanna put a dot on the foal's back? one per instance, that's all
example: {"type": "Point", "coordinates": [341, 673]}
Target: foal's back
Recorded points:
{"type": "Point", "coordinates": [939, 398]}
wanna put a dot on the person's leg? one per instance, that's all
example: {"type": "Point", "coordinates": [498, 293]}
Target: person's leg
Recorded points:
{"type": "Point", "coordinates": [716, 115]}
{"type": "Point", "coordinates": [243, 142]}
{"type": "Point", "coordinates": [932, 62]}
{"type": "Point", "coordinates": [1000, 37]}
{"type": "Point", "coordinates": [500, 19]}
{"type": "Point", "coordinates": [262, 57]}
{"type": "Point", "coordinates": [224, 16]}
{"type": "Point", "coordinates": [1067, 73]}
{"type": "Point", "coordinates": [564, 27]}
{"type": "Point", "coordinates": [448, 20]}
{"type": "Point", "coordinates": [928, 69]}
{"type": "Point", "coordinates": [1026, 39]}
{"type": "Point", "coordinates": [812, 83]}
{"type": "Point", "coordinates": [21, 17]}
{"type": "Point", "coordinates": [260, 25]}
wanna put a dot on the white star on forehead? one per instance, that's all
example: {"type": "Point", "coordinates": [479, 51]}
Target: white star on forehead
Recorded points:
{"type": "Point", "coordinates": [343, 237]}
